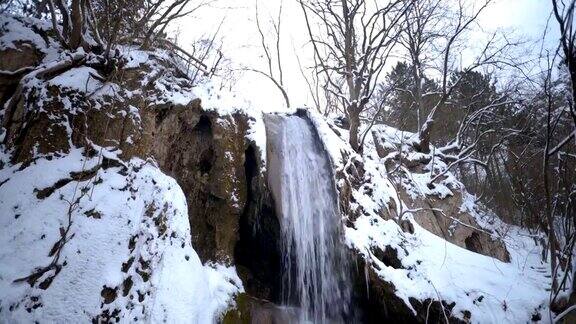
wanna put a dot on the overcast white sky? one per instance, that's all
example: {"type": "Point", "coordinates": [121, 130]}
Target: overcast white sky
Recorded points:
{"type": "Point", "coordinates": [524, 19]}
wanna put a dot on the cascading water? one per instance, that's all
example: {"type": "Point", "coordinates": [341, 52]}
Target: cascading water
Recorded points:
{"type": "Point", "coordinates": [316, 271]}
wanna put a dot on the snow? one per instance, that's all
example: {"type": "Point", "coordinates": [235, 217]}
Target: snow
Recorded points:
{"type": "Point", "coordinates": [491, 290]}
{"type": "Point", "coordinates": [14, 32]}
{"type": "Point", "coordinates": [129, 232]}
{"type": "Point", "coordinates": [121, 205]}
{"type": "Point", "coordinates": [257, 135]}
{"type": "Point", "coordinates": [79, 79]}
{"type": "Point", "coordinates": [333, 144]}
{"type": "Point", "coordinates": [415, 184]}
{"type": "Point", "coordinates": [134, 56]}
{"type": "Point", "coordinates": [510, 291]}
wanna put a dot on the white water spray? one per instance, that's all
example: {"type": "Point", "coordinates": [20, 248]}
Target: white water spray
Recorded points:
{"type": "Point", "coordinates": [315, 268]}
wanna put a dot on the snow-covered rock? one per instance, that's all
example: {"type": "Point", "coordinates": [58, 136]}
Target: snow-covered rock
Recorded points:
{"type": "Point", "coordinates": [92, 229]}
{"type": "Point", "coordinates": [81, 240]}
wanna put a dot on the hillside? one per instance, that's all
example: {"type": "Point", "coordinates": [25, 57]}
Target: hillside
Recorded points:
{"type": "Point", "coordinates": [127, 194]}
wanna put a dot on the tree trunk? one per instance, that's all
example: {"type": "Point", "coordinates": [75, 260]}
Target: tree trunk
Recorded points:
{"type": "Point", "coordinates": [417, 75]}
{"type": "Point", "coordinates": [76, 38]}
{"type": "Point", "coordinates": [425, 132]}
{"type": "Point", "coordinates": [424, 136]}
{"type": "Point", "coordinates": [65, 18]}
{"type": "Point", "coordinates": [354, 117]}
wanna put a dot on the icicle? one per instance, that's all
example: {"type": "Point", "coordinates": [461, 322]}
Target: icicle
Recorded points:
{"type": "Point", "coordinates": [367, 279]}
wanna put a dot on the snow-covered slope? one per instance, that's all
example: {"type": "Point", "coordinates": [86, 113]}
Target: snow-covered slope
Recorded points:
{"type": "Point", "coordinates": [118, 240]}
{"type": "Point", "coordinates": [92, 233]}
{"type": "Point", "coordinates": [475, 287]}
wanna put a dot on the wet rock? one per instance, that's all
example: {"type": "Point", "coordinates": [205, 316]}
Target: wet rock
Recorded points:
{"type": "Point", "coordinates": [377, 302]}
{"type": "Point", "coordinates": [108, 294]}
{"type": "Point", "coordinates": [251, 310]}
{"type": "Point", "coordinates": [388, 256]}
{"type": "Point", "coordinates": [205, 153]}
{"type": "Point", "coordinates": [257, 253]}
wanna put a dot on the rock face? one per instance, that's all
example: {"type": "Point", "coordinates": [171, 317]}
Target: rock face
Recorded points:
{"type": "Point", "coordinates": [455, 225]}
{"type": "Point", "coordinates": [128, 112]}
{"type": "Point", "coordinates": [439, 213]}
{"type": "Point", "coordinates": [205, 153]}
{"type": "Point", "coordinates": [16, 61]}
{"type": "Point", "coordinates": [378, 301]}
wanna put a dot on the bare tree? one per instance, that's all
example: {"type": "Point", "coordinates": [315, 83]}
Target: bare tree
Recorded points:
{"type": "Point", "coordinates": [562, 248]}
{"type": "Point", "coordinates": [433, 32]}
{"type": "Point", "coordinates": [558, 169]}
{"type": "Point", "coordinates": [274, 71]}
{"type": "Point", "coordinates": [212, 61]}
{"type": "Point", "coordinates": [564, 14]}
{"type": "Point", "coordinates": [352, 42]}
{"type": "Point", "coordinates": [115, 21]}
{"type": "Point", "coordinates": [319, 89]}
{"type": "Point", "coordinates": [430, 22]}
{"type": "Point", "coordinates": [75, 18]}
{"type": "Point", "coordinates": [160, 13]}
{"type": "Point", "coordinates": [424, 24]}
{"type": "Point", "coordinates": [552, 241]}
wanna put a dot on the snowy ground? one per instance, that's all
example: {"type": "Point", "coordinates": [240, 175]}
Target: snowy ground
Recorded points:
{"type": "Point", "coordinates": [129, 233]}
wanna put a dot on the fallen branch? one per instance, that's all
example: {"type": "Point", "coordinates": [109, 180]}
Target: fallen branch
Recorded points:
{"type": "Point", "coordinates": [564, 313]}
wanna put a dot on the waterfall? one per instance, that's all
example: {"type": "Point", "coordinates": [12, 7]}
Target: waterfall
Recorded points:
{"type": "Point", "coordinates": [315, 270]}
